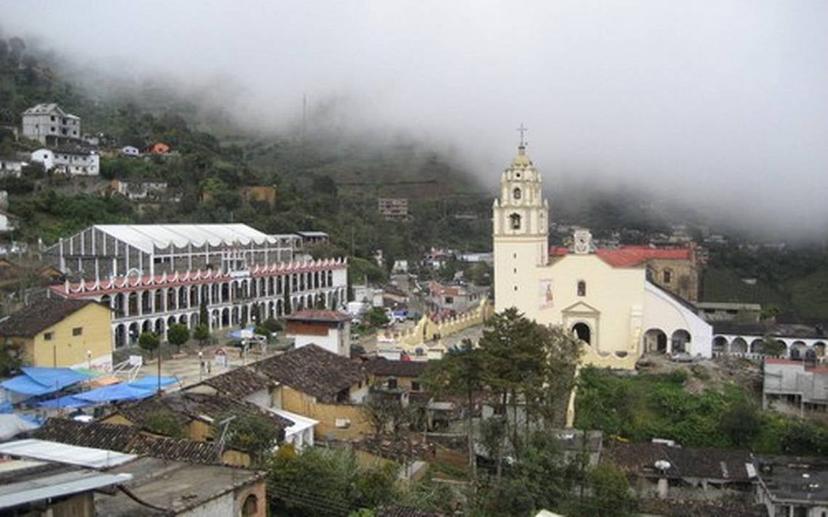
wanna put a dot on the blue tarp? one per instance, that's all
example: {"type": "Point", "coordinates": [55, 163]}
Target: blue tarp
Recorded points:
{"type": "Point", "coordinates": [150, 382]}
{"type": "Point", "coordinates": [67, 402]}
{"type": "Point", "coordinates": [40, 381]}
{"type": "Point", "coordinates": [114, 393]}
{"type": "Point", "coordinates": [6, 407]}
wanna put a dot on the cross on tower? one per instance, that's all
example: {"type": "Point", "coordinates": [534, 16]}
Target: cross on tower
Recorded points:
{"type": "Point", "coordinates": [522, 130]}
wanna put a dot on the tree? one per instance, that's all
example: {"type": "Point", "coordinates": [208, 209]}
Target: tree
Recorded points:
{"type": "Point", "coordinates": [459, 373]}
{"type": "Point", "coordinates": [740, 423]}
{"type": "Point", "coordinates": [251, 433]}
{"type": "Point", "coordinates": [610, 493]}
{"type": "Point", "coordinates": [203, 314]}
{"type": "Point", "coordinates": [165, 423]}
{"type": "Point", "coordinates": [148, 341]}
{"type": "Point", "coordinates": [272, 325]}
{"type": "Point", "coordinates": [286, 306]}
{"type": "Point", "coordinates": [771, 346]}
{"type": "Point", "coordinates": [376, 317]}
{"type": "Point", "coordinates": [178, 334]}
{"type": "Point", "coordinates": [201, 333]}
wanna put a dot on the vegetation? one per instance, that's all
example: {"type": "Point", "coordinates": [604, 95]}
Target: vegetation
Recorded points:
{"type": "Point", "coordinates": [149, 341]}
{"type": "Point", "coordinates": [201, 333]}
{"type": "Point", "coordinates": [178, 334]}
{"type": "Point", "coordinates": [657, 406]}
{"type": "Point", "coordinates": [164, 423]}
{"type": "Point", "coordinates": [250, 433]}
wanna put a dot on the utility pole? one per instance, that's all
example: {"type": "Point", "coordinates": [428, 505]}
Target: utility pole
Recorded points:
{"type": "Point", "coordinates": [159, 368]}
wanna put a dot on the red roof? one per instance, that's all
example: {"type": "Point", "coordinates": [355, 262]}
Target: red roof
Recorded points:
{"type": "Point", "coordinates": [629, 256]}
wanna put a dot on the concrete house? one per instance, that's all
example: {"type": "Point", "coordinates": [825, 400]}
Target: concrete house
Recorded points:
{"type": "Point", "coordinates": [56, 332]}
{"type": "Point", "coordinates": [50, 125]}
{"type": "Point", "coordinates": [74, 161]}
{"type": "Point", "coordinates": [330, 330]}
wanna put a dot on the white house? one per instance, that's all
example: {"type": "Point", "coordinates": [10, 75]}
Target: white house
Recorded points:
{"type": "Point", "coordinates": [7, 222]}
{"type": "Point", "coordinates": [49, 124]}
{"type": "Point", "coordinates": [326, 329]}
{"type": "Point", "coordinates": [11, 167]}
{"type": "Point", "coordinates": [129, 150]}
{"type": "Point", "coordinates": [72, 161]}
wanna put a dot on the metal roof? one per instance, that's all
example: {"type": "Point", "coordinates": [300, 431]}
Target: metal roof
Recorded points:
{"type": "Point", "coordinates": [148, 237]}
{"type": "Point", "coordinates": [63, 453]}
{"type": "Point", "coordinates": [57, 485]}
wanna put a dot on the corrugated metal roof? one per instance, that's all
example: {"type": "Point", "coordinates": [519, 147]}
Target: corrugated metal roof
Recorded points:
{"type": "Point", "coordinates": [148, 237]}
{"type": "Point", "coordinates": [57, 485]}
{"type": "Point", "coordinates": [62, 453]}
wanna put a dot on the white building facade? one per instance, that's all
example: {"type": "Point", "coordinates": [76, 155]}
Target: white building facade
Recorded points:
{"type": "Point", "coordinates": [75, 162]}
{"type": "Point", "coordinates": [613, 309]}
{"type": "Point", "coordinates": [50, 125]}
{"type": "Point", "coordinates": [156, 275]}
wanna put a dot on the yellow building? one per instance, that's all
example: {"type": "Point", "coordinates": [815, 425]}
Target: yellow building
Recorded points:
{"type": "Point", "coordinates": [601, 295]}
{"type": "Point", "coordinates": [56, 332]}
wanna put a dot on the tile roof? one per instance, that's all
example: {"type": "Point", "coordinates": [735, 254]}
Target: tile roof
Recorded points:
{"type": "Point", "coordinates": [39, 316]}
{"type": "Point", "coordinates": [695, 462]}
{"type": "Point", "coordinates": [386, 367]}
{"type": "Point", "coordinates": [313, 370]}
{"type": "Point", "coordinates": [318, 315]}
{"type": "Point", "coordinates": [240, 382]}
{"type": "Point", "coordinates": [127, 439]}
{"type": "Point", "coordinates": [187, 406]}
{"type": "Point", "coordinates": [630, 256]}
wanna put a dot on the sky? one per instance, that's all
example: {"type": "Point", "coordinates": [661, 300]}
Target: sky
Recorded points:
{"type": "Point", "coordinates": [719, 104]}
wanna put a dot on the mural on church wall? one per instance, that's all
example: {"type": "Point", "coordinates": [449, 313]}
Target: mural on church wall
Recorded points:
{"type": "Point", "coordinates": [547, 299]}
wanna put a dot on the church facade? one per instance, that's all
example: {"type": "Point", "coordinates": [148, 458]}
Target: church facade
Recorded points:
{"type": "Point", "coordinates": [601, 295]}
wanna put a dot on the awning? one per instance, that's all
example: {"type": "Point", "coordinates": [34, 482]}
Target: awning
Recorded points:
{"type": "Point", "coordinates": [136, 390]}
{"type": "Point", "coordinates": [40, 381]}
{"type": "Point", "coordinates": [151, 382]}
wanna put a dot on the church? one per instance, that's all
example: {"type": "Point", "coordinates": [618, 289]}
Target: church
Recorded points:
{"type": "Point", "coordinates": [603, 296]}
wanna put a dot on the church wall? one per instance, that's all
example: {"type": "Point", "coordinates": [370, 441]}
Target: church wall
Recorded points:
{"type": "Point", "coordinates": [611, 307]}
{"type": "Point", "coordinates": [515, 274]}
{"type": "Point", "coordinates": [665, 313]}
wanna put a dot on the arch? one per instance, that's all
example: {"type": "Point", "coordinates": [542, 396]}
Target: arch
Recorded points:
{"type": "Point", "coordinates": [279, 312]}
{"type": "Point", "coordinates": [119, 305]}
{"type": "Point", "coordinates": [171, 299]}
{"type": "Point", "coordinates": [193, 296]}
{"type": "Point", "coordinates": [183, 298]}
{"type": "Point", "coordinates": [159, 326]}
{"type": "Point", "coordinates": [159, 300]}
{"type": "Point", "coordinates": [757, 346]}
{"type": "Point", "coordinates": [720, 344]}
{"type": "Point", "coordinates": [250, 507]}
{"type": "Point", "coordinates": [120, 336]}
{"type": "Point", "coordinates": [514, 221]}
{"type": "Point", "coordinates": [183, 320]}
{"type": "Point", "coordinates": [225, 317]}
{"type": "Point", "coordinates": [205, 294]}
{"type": "Point", "coordinates": [146, 326]}
{"type": "Point", "coordinates": [106, 300]}
{"type": "Point", "coordinates": [133, 333]}
{"type": "Point", "coordinates": [679, 341]}
{"type": "Point", "coordinates": [270, 309]}
{"type": "Point", "coordinates": [582, 288]}
{"type": "Point", "coordinates": [797, 350]}
{"type": "Point", "coordinates": [146, 307]}
{"type": "Point", "coordinates": [132, 302]}
{"type": "Point", "coordinates": [655, 341]}
{"type": "Point", "coordinates": [738, 346]}
{"type": "Point", "coordinates": [171, 321]}
{"type": "Point", "coordinates": [582, 331]}
{"type": "Point", "coordinates": [516, 193]}
{"type": "Point", "coordinates": [819, 349]}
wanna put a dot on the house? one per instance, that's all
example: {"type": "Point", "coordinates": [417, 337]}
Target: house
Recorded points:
{"type": "Point", "coordinates": [797, 382]}
{"type": "Point", "coordinates": [158, 148]}
{"type": "Point", "coordinates": [195, 413]}
{"type": "Point", "coordinates": [330, 330]}
{"type": "Point", "coordinates": [393, 209]}
{"type": "Point", "coordinates": [730, 311]}
{"type": "Point", "coordinates": [50, 125]}
{"type": "Point", "coordinates": [792, 486]}
{"type": "Point", "coordinates": [11, 167]}
{"type": "Point", "coordinates": [259, 194]}
{"type": "Point", "coordinates": [8, 222]}
{"type": "Point", "coordinates": [665, 470]}
{"type": "Point", "coordinates": [795, 341]}
{"type": "Point", "coordinates": [74, 161]}
{"type": "Point", "coordinates": [455, 298]}
{"type": "Point", "coordinates": [61, 333]}
{"type": "Point", "coordinates": [248, 384]}
{"type": "Point", "coordinates": [129, 150]}
{"type": "Point", "coordinates": [320, 385]}
{"type": "Point", "coordinates": [152, 485]}
{"type": "Point", "coordinates": [396, 375]}
{"type": "Point", "coordinates": [33, 487]}
{"type": "Point", "coordinates": [138, 189]}
{"type": "Point", "coordinates": [313, 237]}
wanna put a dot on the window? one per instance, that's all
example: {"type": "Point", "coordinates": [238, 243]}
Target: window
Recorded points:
{"type": "Point", "coordinates": [516, 193]}
{"type": "Point", "coordinates": [581, 288]}
{"type": "Point", "coordinates": [392, 383]}
{"type": "Point", "coordinates": [667, 275]}
{"type": "Point", "coordinates": [449, 300]}
{"type": "Point", "coordinates": [415, 386]}
{"type": "Point", "coordinates": [48, 336]}
{"type": "Point", "coordinates": [515, 221]}
{"type": "Point", "coordinates": [77, 331]}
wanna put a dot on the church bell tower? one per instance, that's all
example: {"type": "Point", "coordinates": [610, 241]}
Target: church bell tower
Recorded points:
{"type": "Point", "coordinates": [521, 234]}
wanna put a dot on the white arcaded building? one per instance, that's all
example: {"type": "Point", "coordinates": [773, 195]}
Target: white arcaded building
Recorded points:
{"type": "Point", "coordinates": [156, 275]}
{"type": "Point", "coordinates": [601, 295]}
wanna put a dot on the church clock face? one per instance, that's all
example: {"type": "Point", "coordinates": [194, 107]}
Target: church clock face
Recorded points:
{"type": "Point", "coordinates": [583, 241]}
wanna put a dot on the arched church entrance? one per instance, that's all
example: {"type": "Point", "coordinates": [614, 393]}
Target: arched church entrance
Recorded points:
{"type": "Point", "coordinates": [582, 332]}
